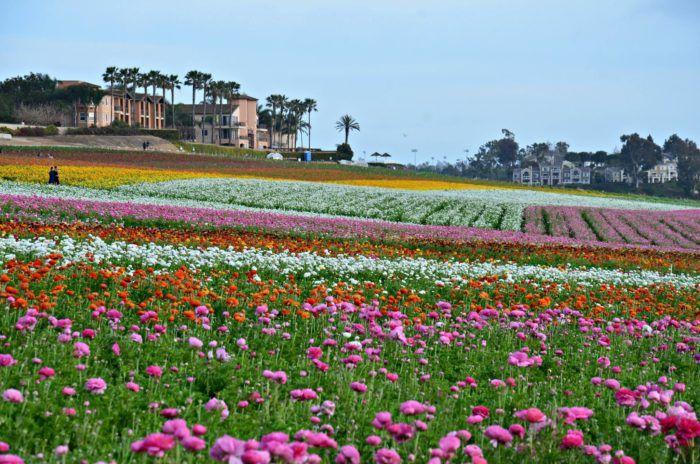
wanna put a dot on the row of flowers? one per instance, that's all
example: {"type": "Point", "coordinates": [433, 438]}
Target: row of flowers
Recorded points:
{"type": "Point", "coordinates": [311, 265]}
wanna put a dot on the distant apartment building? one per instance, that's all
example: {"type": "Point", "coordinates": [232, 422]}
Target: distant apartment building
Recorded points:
{"type": "Point", "coordinates": [552, 172]}
{"type": "Point", "coordinates": [119, 105]}
{"type": "Point", "coordinates": [614, 174]}
{"type": "Point", "coordinates": [234, 123]}
{"type": "Point", "coordinates": [663, 172]}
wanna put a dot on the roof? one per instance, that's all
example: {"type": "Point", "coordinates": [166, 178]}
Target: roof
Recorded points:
{"type": "Point", "coordinates": [199, 108]}
{"type": "Point", "coordinates": [242, 96]}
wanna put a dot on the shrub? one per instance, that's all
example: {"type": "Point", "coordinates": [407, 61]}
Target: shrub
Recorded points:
{"type": "Point", "coordinates": [345, 151]}
{"type": "Point", "coordinates": [6, 130]}
{"type": "Point", "coordinates": [51, 130]}
{"type": "Point", "coordinates": [30, 132]}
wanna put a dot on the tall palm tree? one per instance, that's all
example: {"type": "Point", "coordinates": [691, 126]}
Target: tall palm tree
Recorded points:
{"type": "Point", "coordinates": [194, 79]}
{"type": "Point", "coordinates": [206, 82]}
{"type": "Point", "coordinates": [110, 76]}
{"type": "Point", "coordinates": [232, 92]}
{"type": "Point", "coordinates": [154, 78]}
{"type": "Point", "coordinates": [271, 102]}
{"type": "Point", "coordinates": [173, 83]}
{"type": "Point", "coordinates": [347, 123]}
{"type": "Point", "coordinates": [282, 104]}
{"type": "Point", "coordinates": [134, 79]}
{"type": "Point", "coordinates": [310, 105]}
{"type": "Point", "coordinates": [296, 110]}
{"type": "Point", "coordinates": [123, 78]}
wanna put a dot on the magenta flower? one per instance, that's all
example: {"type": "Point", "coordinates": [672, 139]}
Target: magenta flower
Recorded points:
{"type": "Point", "coordinates": [155, 444]}
{"type": "Point", "coordinates": [96, 386]}
{"type": "Point", "coordinates": [625, 397]}
{"type": "Point", "coordinates": [227, 449]}
{"type": "Point", "coordinates": [193, 444]}
{"type": "Point", "coordinates": [7, 360]}
{"type": "Point", "coordinates": [572, 439]}
{"type": "Point", "coordinates": [12, 396]}
{"type": "Point", "coordinates": [412, 408]}
{"type": "Point", "coordinates": [154, 371]}
{"type": "Point", "coordinates": [305, 394]}
{"type": "Point", "coordinates": [575, 413]}
{"type": "Point", "coordinates": [358, 387]}
{"type": "Point", "coordinates": [387, 456]}
{"type": "Point", "coordinates": [531, 415]}
{"type": "Point", "coordinates": [498, 434]}
{"type": "Point", "coordinates": [348, 455]}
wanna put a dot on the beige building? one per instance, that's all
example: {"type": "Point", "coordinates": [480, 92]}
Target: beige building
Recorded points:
{"type": "Point", "coordinates": [663, 172]}
{"type": "Point", "coordinates": [234, 123]}
{"type": "Point", "coordinates": [145, 110]}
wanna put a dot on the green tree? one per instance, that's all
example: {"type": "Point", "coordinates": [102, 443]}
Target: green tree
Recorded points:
{"type": "Point", "coordinates": [638, 154]}
{"type": "Point", "coordinates": [310, 105]}
{"type": "Point", "coordinates": [110, 77]}
{"type": "Point", "coordinates": [345, 124]}
{"type": "Point", "coordinates": [173, 83]}
{"type": "Point", "coordinates": [194, 80]}
{"type": "Point", "coordinates": [687, 155]}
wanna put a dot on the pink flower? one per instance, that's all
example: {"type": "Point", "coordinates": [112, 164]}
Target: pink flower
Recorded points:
{"type": "Point", "coordinates": [358, 387]}
{"type": "Point", "coordinates": [134, 387]}
{"type": "Point", "coordinates": [61, 450]}
{"type": "Point", "coordinates": [10, 459]}
{"type": "Point", "coordinates": [7, 360]}
{"type": "Point", "coordinates": [387, 456]}
{"type": "Point", "coordinates": [193, 443]}
{"type": "Point", "coordinates": [227, 449]}
{"type": "Point", "coordinates": [155, 444]}
{"type": "Point", "coordinates": [531, 415]}
{"type": "Point", "coordinates": [482, 411]}
{"type": "Point", "coordinates": [305, 394]}
{"type": "Point", "coordinates": [373, 440]}
{"type": "Point", "coordinates": [279, 377]}
{"type": "Point", "coordinates": [12, 396]}
{"type": "Point", "coordinates": [498, 434]}
{"type": "Point", "coordinates": [572, 439]}
{"type": "Point", "coordinates": [314, 352]}
{"type": "Point", "coordinates": [575, 413]}
{"type": "Point", "coordinates": [68, 391]}
{"type": "Point", "coordinates": [412, 408]}
{"type": "Point", "coordinates": [81, 350]}
{"type": "Point", "coordinates": [96, 386]}
{"type": "Point", "coordinates": [46, 373]}
{"type": "Point", "coordinates": [348, 455]}
{"type": "Point", "coordinates": [381, 420]}
{"type": "Point", "coordinates": [195, 342]}
{"type": "Point", "coordinates": [154, 371]}
{"type": "Point", "coordinates": [199, 430]}
{"type": "Point", "coordinates": [177, 428]}
{"type": "Point", "coordinates": [255, 457]}
{"type": "Point", "coordinates": [449, 444]}
{"type": "Point", "coordinates": [401, 431]}
{"type": "Point", "coordinates": [625, 397]}
{"type": "Point", "coordinates": [517, 430]}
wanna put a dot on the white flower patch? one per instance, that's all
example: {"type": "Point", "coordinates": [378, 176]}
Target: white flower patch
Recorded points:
{"type": "Point", "coordinates": [318, 267]}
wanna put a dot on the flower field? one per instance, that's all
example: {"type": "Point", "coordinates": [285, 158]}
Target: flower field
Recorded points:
{"type": "Point", "coordinates": [212, 318]}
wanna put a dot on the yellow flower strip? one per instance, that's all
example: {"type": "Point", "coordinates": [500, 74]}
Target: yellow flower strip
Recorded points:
{"type": "Point", "coordinates": [104, 177]}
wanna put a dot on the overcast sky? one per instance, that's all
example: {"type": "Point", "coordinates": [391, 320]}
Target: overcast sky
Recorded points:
{"type": "Point", "coordinates": [440, 76]}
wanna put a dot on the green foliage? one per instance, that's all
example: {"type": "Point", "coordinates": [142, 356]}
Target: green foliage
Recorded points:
{"type": "Point", "coordinates": [51, 130]}
{"type": "Point", "coordinates": [237, 152]}
{"type": "Point", "coordinates": [344, 151]}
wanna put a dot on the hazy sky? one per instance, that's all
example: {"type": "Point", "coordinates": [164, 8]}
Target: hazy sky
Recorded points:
{"type": "Point", "coordinates": [440, 76]}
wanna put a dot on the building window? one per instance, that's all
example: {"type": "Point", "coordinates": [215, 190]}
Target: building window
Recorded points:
{"type": "Point", "coordinates": [83, 116]}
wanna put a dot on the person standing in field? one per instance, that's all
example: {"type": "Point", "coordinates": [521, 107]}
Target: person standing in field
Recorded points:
{"type": "Point", "coordinates": [52, 176]}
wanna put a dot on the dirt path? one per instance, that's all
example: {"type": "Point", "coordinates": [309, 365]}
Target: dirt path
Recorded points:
{"type": "Point", "coordinates": [122, 142]}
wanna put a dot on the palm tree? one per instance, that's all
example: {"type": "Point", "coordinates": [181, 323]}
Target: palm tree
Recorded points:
{"type": "Point", "coordinates": [134, 79]}
{"type": "Point", "coordinates": [206, 82]}
{"type": "Point", "coordinates": [110, 76]}
{"type": "Point", "coordinates": [232, 92]}
{"type": "Point", "coordinates": [283, 103]}
{"type": "Point", "coordinates": [347, 123]}
{"type": "Point", "coordinates": [173, 83]}
{"type": "Point", "coordinates": [194, 79]}
{"type": "Point", "coordinates": [123, 78]}
{"type": "Point", "coordinates": [154, 79]}
{"type": "Point", "coordinates": [296, 109]}
{"type": "Point", "coordinates": [142, 80]}
{"type": "Point", "coordinates": [271, 102]}
{"type": "Point", "coordinates": [310, 105]}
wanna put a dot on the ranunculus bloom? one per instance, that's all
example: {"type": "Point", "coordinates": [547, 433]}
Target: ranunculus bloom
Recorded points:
{"type": "Point", "coordinates": [155, 444]}
{"type": "Point", "coordinates": [498, 434]}
{"type": "Point", "coordinates": [387, 456]}
{"type": "Point", "coordinates": [348, 455]}
{"type": "Point", "coordinates": [12, 396]}
{"type": "Point", "coordinates": [96, 386]}
{"type": "Point", "coordinates": [625, 397]}
{"type": "Point", "coordinates": [154, 371]}
{"type": "Point", "coordinates": [531, 415]}
{"type": "Point", "coordinates": [572, 439]}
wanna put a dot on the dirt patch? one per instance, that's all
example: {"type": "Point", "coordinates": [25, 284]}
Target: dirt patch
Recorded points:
{"type": "Point", "coordinates": [120, 142]}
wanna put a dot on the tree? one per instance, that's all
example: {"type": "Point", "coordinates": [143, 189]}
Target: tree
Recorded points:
{"type": "Point", "coordinates": [134, 77]}
{"type": "Point", "coordinates": [562, 148]}
{"type": "Point", "coordinates": [193, 79]}
{"type": "Point", "coordinates": [687, 155]}
{"type": "Point", "coordinates": [294, 117]}
{"type": "Point", "coordinates": [638, 154]}
{"type": "Point", "coordinates": [205, 82]}
{"type": "Point", "coordinates": [172, 83]}
{"type": "Point", "coordinates": [347, 123]}
{"type": "Point", "coordinates": [310, 105]}
{"type": "Point", "coordinates": [232, 91]}
{"type": "Point", "coordinates": [154, 79]}
{"type": "Point", "coordinates": [507, 149]}
{"type": "Point", "coordinates": [110, 76]}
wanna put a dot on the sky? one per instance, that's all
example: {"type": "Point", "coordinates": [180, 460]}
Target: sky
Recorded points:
{"type": "Point", "coordinates": [438, 76]}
